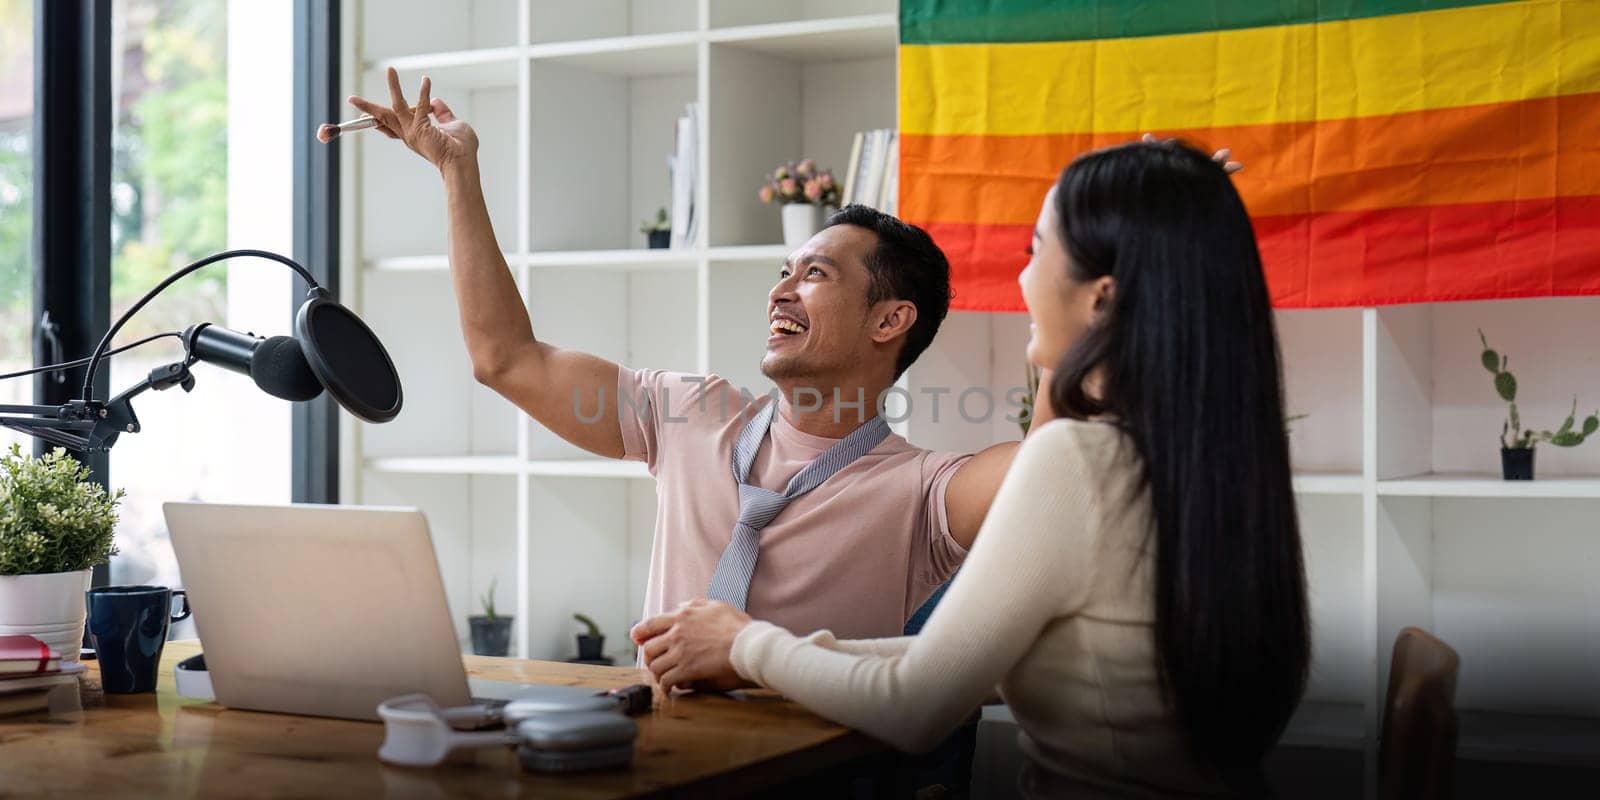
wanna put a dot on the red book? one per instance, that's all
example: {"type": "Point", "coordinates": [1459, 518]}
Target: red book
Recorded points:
{"type": "Point", "coordinates": [21, 654]}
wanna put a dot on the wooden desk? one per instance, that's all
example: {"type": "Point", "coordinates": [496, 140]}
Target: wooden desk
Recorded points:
{"type": "Point", "coordinates": [163, 745]}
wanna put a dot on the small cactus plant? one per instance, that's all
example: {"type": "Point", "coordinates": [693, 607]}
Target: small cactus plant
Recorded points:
{"type": "Point", "coordinates": [1512, 434]}
{"type": "Point", "coordinates": [593, 629]}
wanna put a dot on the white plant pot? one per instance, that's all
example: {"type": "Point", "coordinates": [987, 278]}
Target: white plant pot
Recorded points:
{"type": "Point", "coordinates": [49, 608]}
{"type": "Point", "coordinates": [801, 221]}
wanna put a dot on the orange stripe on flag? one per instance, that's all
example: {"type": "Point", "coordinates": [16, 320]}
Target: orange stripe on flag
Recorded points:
{"type": "Point", "coordinates": [1523, 248]}
{"type": "Point", "coordinates": [1548, 147]}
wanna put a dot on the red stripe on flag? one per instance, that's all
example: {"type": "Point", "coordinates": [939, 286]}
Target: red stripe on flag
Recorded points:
{"type": "Point", "coordinates": [1527, 248]}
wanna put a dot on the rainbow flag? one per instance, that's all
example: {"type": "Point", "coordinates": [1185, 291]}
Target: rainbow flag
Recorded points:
{"type": "Point", "coordinates": [1395, 151]}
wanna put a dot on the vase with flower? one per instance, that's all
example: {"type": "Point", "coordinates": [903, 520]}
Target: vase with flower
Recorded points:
{"type": "Point", "coordinates": [806, 194]}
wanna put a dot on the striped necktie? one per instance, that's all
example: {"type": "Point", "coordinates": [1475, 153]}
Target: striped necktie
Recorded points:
{"type": "Point", "coordinates": [757, 506]}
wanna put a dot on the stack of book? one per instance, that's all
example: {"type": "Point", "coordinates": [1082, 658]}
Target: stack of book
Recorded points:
{"type": "Point", "coordinates": [32, 677]}
{"type": "Point", "coordinates": [873, 178]}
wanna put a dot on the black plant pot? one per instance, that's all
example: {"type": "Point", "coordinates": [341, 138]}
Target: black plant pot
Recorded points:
{"type": "Point", "coordinates": [660, 240]}
{"type": "Point", "coordinates": [590, 647]}
{"type": "Point", "coordinates": [1516, 463]}
{"type": "Point", "coordinates": [491, 636]}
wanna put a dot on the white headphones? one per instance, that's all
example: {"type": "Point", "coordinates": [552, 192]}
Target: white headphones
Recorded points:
{"type": "Point", "coordinates": [556, 729]}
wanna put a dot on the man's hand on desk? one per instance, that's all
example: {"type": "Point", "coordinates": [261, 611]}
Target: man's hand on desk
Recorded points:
{"type": "Point", "coordinates": [691, 647]}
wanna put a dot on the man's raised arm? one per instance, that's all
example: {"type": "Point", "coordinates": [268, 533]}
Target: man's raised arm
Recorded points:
{"type": "Point", "coordinates": [543, 380]}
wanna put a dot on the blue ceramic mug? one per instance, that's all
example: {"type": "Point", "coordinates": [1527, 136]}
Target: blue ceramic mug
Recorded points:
{"type": "Point", "coordinates": [129, 627]}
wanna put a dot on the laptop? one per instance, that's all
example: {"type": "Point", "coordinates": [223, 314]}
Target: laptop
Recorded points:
{"type": "Point", "coordinates": [321, 610]}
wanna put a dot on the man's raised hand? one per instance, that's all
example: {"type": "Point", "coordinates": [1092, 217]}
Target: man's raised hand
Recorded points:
{"type": "Point", "coordinates": [429, 128]}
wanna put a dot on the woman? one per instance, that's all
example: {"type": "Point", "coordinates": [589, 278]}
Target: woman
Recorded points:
{"type": "Point", "coordinates": [1137, 590]}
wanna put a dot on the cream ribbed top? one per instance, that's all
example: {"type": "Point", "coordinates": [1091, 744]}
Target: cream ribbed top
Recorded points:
{"type": "Point", "coordinates": [1054, 605]}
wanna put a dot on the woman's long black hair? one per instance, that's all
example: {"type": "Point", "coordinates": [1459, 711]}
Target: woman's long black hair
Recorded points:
{"type": "Point", "coordinates": [1186, 357]}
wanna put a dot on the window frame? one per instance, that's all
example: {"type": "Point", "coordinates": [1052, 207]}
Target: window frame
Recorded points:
{"type": "Point", "coordinates": [71, 247]}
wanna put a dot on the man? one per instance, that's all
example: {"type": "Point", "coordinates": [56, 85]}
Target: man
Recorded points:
{"type": "Point", "coordinates": [860, 550]}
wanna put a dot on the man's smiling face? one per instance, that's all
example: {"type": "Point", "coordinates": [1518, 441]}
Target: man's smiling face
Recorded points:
{"type": "Point", "coordinates": [817, 313]}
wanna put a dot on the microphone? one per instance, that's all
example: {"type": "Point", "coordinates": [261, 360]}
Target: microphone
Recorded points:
{"type": "Point", "coordinates": [347, 358]}
{"type": "Point", "coordinates": [276, 364]}
{"type": "Point", "coordinates": [332, 349]}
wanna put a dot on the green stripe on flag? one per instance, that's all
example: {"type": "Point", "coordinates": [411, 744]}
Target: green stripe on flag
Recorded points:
{"type": "Point", "coordinates": [1005, 21]}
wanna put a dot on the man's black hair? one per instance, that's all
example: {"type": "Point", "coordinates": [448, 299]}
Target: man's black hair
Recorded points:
{"type": "Point", "coordinates": [904, 265]}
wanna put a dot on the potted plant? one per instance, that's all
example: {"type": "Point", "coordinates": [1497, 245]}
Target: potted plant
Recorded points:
{"type": "Point", "coordinates": [591, 643]}
{"type": "Point", "coordinates": [1516, 444]}
{"type": "Point", "coordinates": [55, 526]}
{"type": "Point", "coordinates": [804, 192]}
{"type": "Point", "coordinates": [658, 233]}
{"type": "Point", "coordinates": [491, 633]}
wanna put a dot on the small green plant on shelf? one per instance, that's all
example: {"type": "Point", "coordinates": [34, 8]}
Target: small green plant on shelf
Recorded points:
{"type": "Point", "coordinates": [658, 232]}
{"type": "Point", "coordinates": [591, 643]}
{"type": "Point", "coordinates": [590, 628]}
{"type": "Point", "coordinates": [1512, 435]}
{"type": "Point", "coordinates": [487, 599]}
{"type": "Point", "coordinates": [491, 632]}
{"type": "Point", "coordinates": [660, 224]}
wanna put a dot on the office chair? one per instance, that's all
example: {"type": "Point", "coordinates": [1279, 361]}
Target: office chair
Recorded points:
{"type": "Point", "coordinates": [1417, 743]}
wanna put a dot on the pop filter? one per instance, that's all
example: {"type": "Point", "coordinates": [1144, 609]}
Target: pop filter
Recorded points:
{"type": "Point", "coordinates": [348, 359]}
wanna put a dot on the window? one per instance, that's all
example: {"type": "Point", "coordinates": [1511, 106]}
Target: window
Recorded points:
{"type": "Point", "coordinates": [16, 204]}
{"type": "Point", "coordinates": [202, 161]}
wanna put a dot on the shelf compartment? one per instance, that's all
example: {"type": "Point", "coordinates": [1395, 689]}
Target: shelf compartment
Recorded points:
{"type": "Point", "coordinates": [1486, 486]}
{"type": "Point", "coordinates": [470, 67]}
{"type": "Point", "coordinates": [771, 253]}
{"type": "Point", "coordinates": [1340, 726]}
{"type": "Point", "coordinates": [625, 56]}
{"type": "Point", "coordinates": [565, 22]}
{"type": "Point", "coordinates": [508, 465]}
{"type": "Point", "coordinates": [1322, 374]}
{"type": "Point", "coordinates": [387, 31]}
{"type": "Point", "coordinates": [668, 259]}
{"type": "Point", "coordinates": [598, 158]}
{"type": "Point", "coordinates": [761, 256]}
{"type": "Point", "coordinates": [1528, 738]}
{"type": "Point", "coordinates": [447, 465]}
{"type": "Point", "coordinates": [473, 525]}
{"type": "Point", "coordinates": [764, 110]}
{"type": "Point", "coordinates": [402, 209]}
{"type": "Point", "coordinates": [1332, 483]}
{"type": "Point", "coordinates": [447, 412]}
{"type": "Point", "coordinates": [426, 263]}
{"type": "Point", "coordinates": [839, 39]}
{"type": "Point", "coordinates": [587, 468]}
{"type": "Point", "coordinates": [724, 14]}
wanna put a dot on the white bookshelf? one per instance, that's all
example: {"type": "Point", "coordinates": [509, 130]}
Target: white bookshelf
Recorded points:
{"type": "Point", "coordinates": [1404, 518]}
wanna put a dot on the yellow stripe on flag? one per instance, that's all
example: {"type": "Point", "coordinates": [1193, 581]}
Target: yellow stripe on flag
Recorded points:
{"type": "Point", "coordinates": [1332, 70]}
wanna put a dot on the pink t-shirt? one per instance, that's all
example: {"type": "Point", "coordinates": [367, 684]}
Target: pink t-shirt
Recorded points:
{"type": "Point", "coordinates": [856, 555]}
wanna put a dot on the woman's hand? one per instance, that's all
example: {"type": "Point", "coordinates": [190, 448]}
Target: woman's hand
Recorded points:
{"type": "Point", "coordinates": [1223, 156]}
{"type": "Point", "coordinates": [449, 142]}
{"type": "Point", "coordinates": [692, 646]}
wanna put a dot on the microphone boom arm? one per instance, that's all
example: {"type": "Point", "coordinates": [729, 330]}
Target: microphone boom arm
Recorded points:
{"type": "Point", "coordinates": [93, 427]}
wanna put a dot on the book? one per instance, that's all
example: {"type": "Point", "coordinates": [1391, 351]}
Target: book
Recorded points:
{"type": "Point", "coordinates": [685, 172]}
{"type": "Point", "coordinates": [871, 163]}
{"type": "Point", "coordinates": [67, 674]}
{"type": "Point", "coordinates": [889, 190]}
{"type": "Point", "coordinates": [24, 702]}
{"type": "Point", "coordinates": [852, 170]}
{"type": "Point", "coordinates": [23, 654]}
